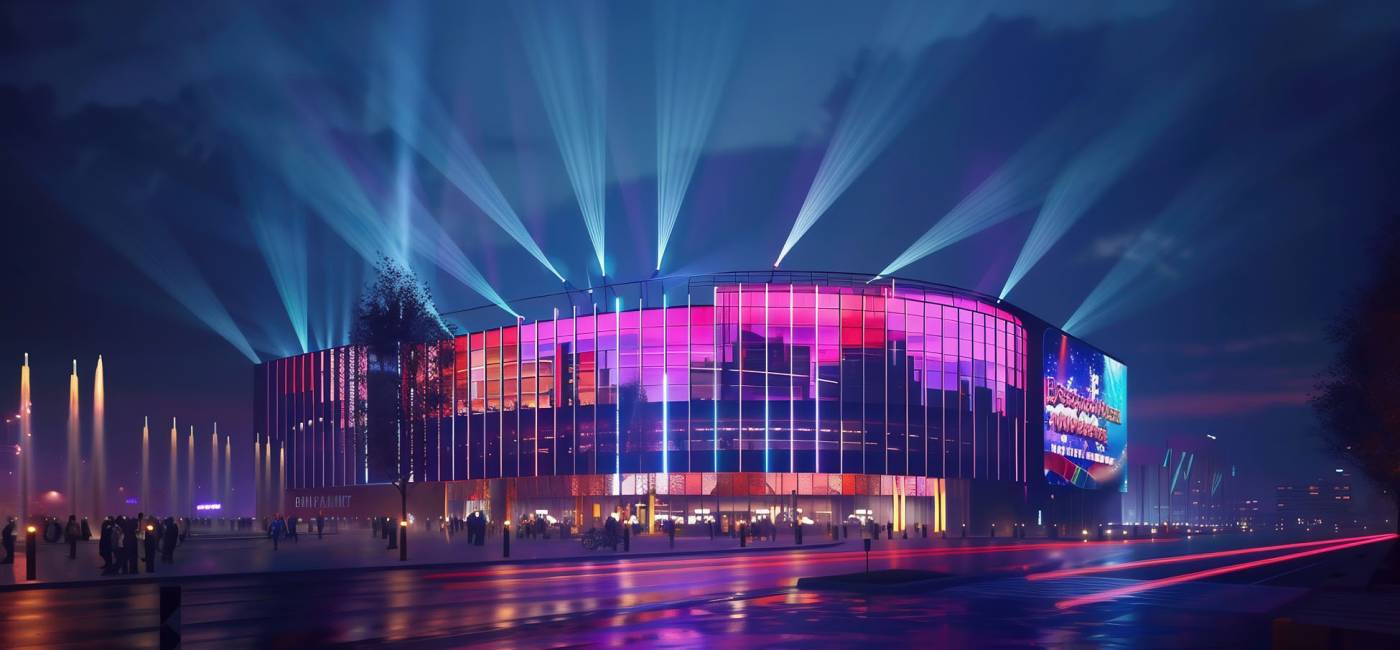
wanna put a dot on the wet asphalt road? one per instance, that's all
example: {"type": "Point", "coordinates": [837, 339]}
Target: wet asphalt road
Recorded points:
{"type": "Point", "coordinates": [736, 599]}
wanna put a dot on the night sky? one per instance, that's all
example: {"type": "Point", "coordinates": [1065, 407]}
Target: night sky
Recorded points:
{"type": "Point", "coordinates": [144, 147]}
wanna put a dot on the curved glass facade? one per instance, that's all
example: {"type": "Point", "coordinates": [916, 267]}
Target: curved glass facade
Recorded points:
{"type": "Point", "coordinates": [802, 377]}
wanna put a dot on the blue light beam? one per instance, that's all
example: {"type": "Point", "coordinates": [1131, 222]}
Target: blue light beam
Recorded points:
{"type": "Point", "coordinates": [1097, 168]}
{"type": "Point", "coordinates": [696, 45]}
{"type": "Point", "coordinates": [1190, 229]}
{"type": "Point", "coordinates": [1012, 189]}
{"type": "Point", "coordinates": [886, 93]}
{"type": "Point", "coordinates": [422, 122]}
{"type": "Point", "coordinates": [565, 44]}
{"type": "Point", "coordinates": [281, 238]}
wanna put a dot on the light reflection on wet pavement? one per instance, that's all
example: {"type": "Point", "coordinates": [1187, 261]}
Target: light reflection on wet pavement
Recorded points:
{"type": "Point", "coordinates": [674, 602]}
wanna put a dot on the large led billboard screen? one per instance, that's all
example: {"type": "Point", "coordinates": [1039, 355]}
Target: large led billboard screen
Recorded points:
{"type": "Point", "coordinates": [1086, 415]}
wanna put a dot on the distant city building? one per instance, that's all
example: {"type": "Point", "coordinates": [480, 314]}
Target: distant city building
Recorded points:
{"type": "Point", "coordinates": [1248, 515]}
{"type": "Point", "coordinates": [1322, 504]}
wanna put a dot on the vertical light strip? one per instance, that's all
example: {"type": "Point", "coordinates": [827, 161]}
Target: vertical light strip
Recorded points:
{"type": "Point", "coordinates": [792, 380]}
{"type": "Point", "coordinates": [767, 372]}
{"type": "Point", "coordinates": [470, 386]}
{"type": "Point", "coordinates": [501, 408]}
{"type": "Point", "coordinates": [597, 385]}
{"type": "Point", "coordinates": [714, 343]}
{"type": "Point", "coordinates": [840, 397]}
{"type": "Point", "coordinates": [885, 360]}
{"type": "Point", "coordinates": [739, 354]}
{"type": "Point", "coordinates": [689, 383]}
{"type": "Point", "coordinates": [555, 379]}
{"type": "Point", "coordinates": [519, 387]}
{"type": "Point", "coordinates": [617, 396]}
{"type": "Point", "coordinates": [665, 390]}
{"type": "Point", "coordinates": [453, 453]}
{"type": "Point", "coordinates": [861, 346]}
{"type": "Point", "coordinates": [573, 410]}
{"type": "Point", "coordinates": [816, 378]}
{"type": "Point", "coordinates": [537, 398]}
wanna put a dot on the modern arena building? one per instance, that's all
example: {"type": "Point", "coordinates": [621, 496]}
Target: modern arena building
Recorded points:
{"type": "Point", "coordinates": [734, 397]}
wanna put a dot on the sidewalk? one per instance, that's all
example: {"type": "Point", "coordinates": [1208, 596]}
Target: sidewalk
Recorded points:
{"type": "Point", "coordinates": [222, 554]}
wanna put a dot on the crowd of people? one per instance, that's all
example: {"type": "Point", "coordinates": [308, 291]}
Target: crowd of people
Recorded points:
{"type": "Point", "coordinates": [123, 540]}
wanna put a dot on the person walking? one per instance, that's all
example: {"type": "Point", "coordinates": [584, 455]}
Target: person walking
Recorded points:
{"type": "Point", "coordinates": [104, 544]}
{"type": "Point", "coordinates": [292, 528]}
{"type": "Point", "coordinates": [7, 538]}
{"type": "Point", "coordinates": [320, 523]}
{"type": "Point", "coordinates": [71, 533]}
{"type": "Point", "coordinates": [87, 531]}
{"type": "Point", "coordinates": [169, 539]}
{"type": "Point", "coordinates": [149, 542]}
{"type": "Point", "coordinates": [274, 530]}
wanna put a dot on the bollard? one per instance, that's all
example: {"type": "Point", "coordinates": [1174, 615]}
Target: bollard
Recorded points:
{"type": "Point", "coordinates": [845, 532]}
{"type": "Point", "coordinates": [31, 553]}
{"type": "Point", "coordinates": [169, 617]}
{"type": "Point", "coordinates": [904, 534]}
{"type": "Point", "coordinates": [743, 536]}
{"type": "Point", "coordinates": [994, 529]}
{"type": "Point", "coordinates": [964, 530]}
{"type": "Point", "coordinates": [626, 538]}
{"type": "Point", "coordinates": [923, 530]}
{"type": "Point", "coordinates": [867, 555]}
{"type": "Point", "coordinates": [403, 541]}
{"type": "Point", "coordinates": [505, 540]}
{"type": "Point", "coordinates": [799, 534]}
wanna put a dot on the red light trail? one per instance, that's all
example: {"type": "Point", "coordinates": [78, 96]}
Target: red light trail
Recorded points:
{"type": "Point", "coordinates": [1148, 585]}
{"type": "Point", "coordinates": [1066, 573]}
{"type": "Point", "coordinates": [639, 567]}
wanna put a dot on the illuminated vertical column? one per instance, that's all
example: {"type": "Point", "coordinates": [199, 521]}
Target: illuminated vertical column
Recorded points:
{"type": "Point", "coordinates": [257, 475]}
{"type": "Point", "coordinates": [145, 498]}
{"type": "Point", "coordinates": [75, 461]}
{"type": "Point", "coordinates": [791, 351]}
{"type": "Point", "coordinates": [214, 467]}
{"type": "Point", "coordinates": [173, 480]}
{"type": "Point", "coordinates": [99, 442]}
{"type": "Point", "coordinates": [189, 475]}
{"type": "Point", "coordinates": [281, 476]}
{"type": "Point", "coordinates": [26, 443]}
{"type": "Point", "coordinates": [269, 482]}
{"type": "Point", "coordinates": [227, 496]}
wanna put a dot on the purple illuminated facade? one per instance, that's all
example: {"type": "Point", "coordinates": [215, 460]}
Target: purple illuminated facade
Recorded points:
{"type": "Point", "coordinates": [741, 385]}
